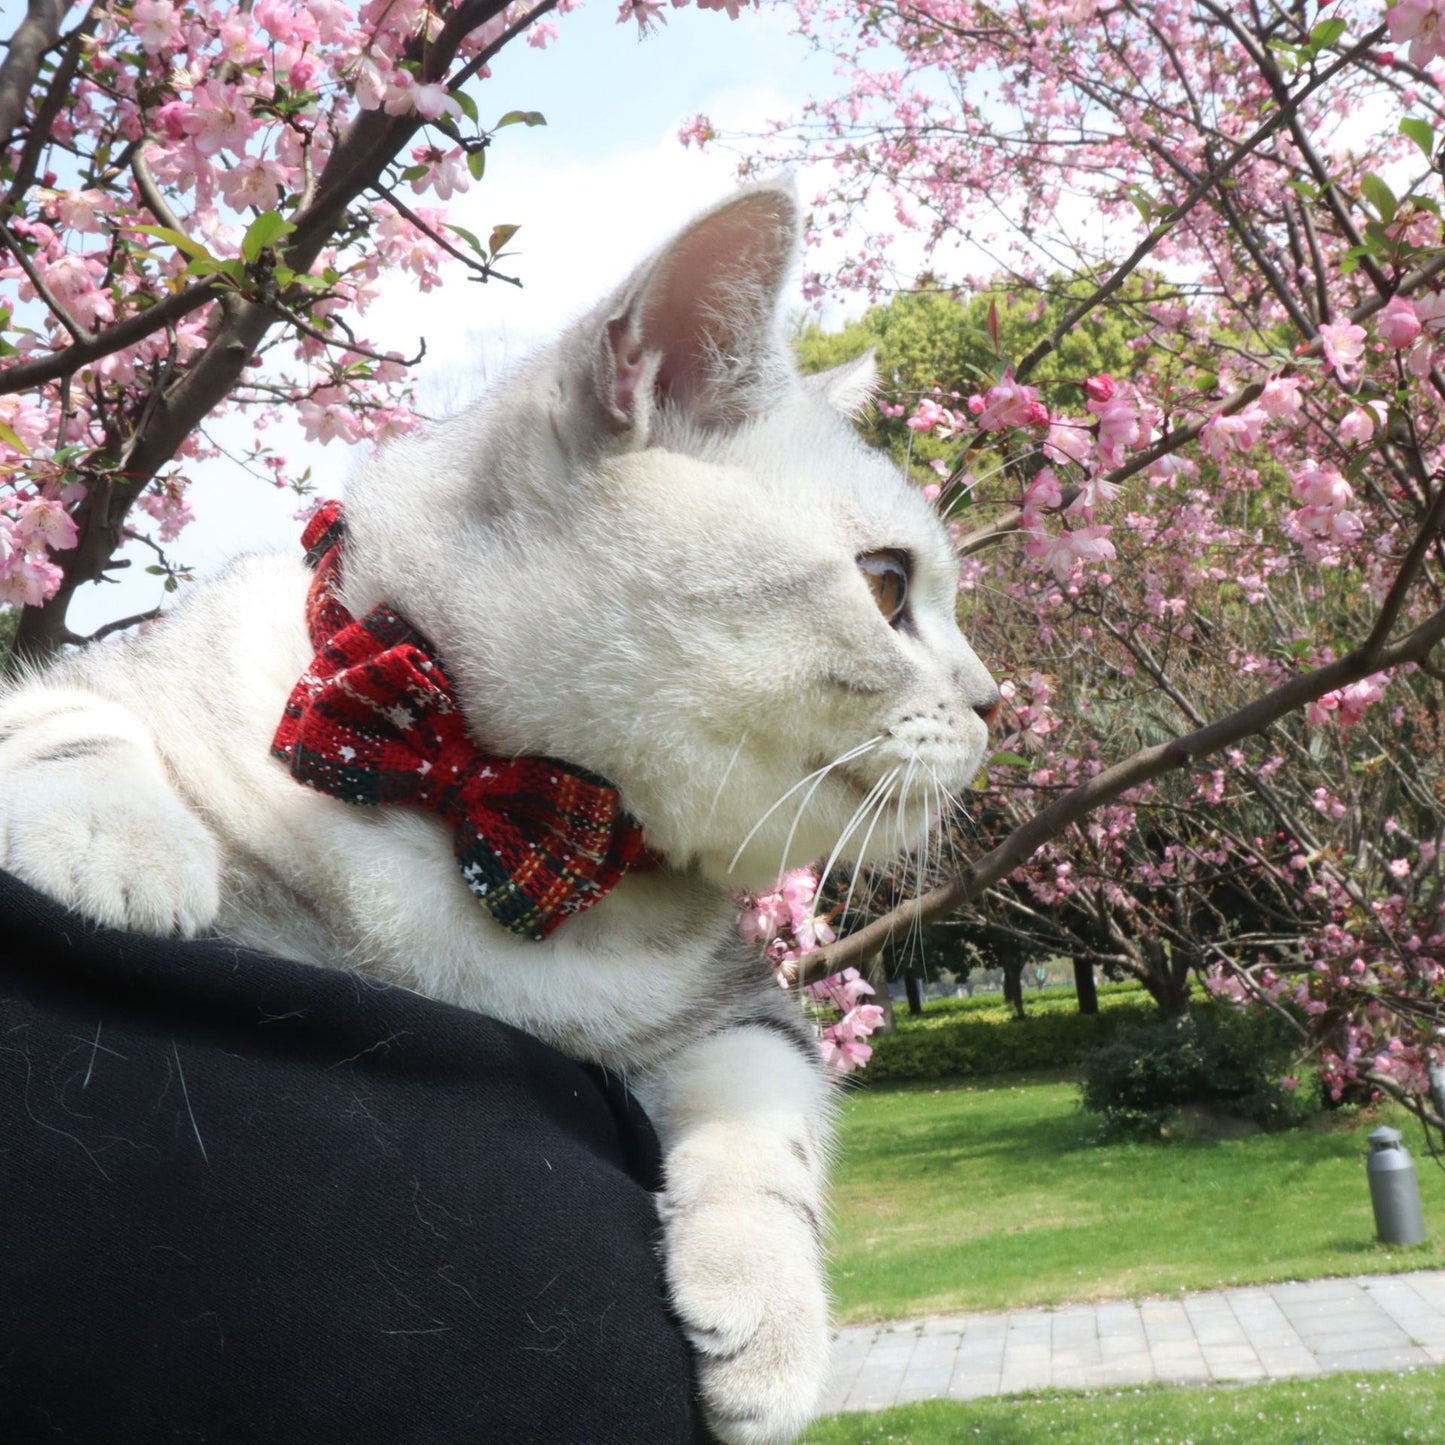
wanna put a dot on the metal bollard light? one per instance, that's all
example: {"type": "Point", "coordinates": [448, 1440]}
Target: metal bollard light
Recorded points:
{"type": "Point", "coordinates": [1394, 1190]}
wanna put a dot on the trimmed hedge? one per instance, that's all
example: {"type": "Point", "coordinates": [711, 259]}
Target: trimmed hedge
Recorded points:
{"type": "Point", "coordinates": [981, 1036]}
{"type": "Point", "coordinates": [1231, 1061]}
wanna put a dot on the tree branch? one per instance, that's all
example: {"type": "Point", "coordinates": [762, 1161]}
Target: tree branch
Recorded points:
{"type": "Point", "coordinates": [1134, 771]}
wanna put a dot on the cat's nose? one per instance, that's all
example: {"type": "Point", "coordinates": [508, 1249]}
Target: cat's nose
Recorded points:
{"type": "Point", "coordinates": [988, 711]}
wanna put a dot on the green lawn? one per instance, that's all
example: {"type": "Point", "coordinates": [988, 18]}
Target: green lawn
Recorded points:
{"type": "Point", "coordinates": [1336, 1410]}
{"type": "Point", "coordinates": [994, 1195]}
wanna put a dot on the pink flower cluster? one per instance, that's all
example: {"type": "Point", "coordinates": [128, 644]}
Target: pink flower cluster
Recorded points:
{"type": "Point", "coordinates": [1346, 705]}
{"type": "Point", "coordinates": [185, 121]}
{"type": "Point", "coordinates": [784, 921]}
{"type": "Point", "coordinates": [32, 528]}
{"type": "Point", "coordinates": [1325, 523]}
{"type": "Point", "coordinates": [844, 1043]}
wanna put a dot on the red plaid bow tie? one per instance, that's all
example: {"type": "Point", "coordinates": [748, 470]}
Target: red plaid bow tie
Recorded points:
{"type": "Point", "coordinates": [375, 720]}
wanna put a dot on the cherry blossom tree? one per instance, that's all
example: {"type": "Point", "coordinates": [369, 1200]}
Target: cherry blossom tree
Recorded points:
{"type": "Point", "coordinates": [1223, 562]}
{"type": "Point", "coordinates": [199, 199]}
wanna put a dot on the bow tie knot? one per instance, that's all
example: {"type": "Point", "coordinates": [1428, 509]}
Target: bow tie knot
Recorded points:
{"type": "Point", "coordinates": [375, 721]}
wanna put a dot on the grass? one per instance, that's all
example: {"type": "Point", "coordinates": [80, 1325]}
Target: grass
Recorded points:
{"type": "Point", "coordinates": [1334, 1410]}
{"type": "Point", "coordinates": [995, 1194]}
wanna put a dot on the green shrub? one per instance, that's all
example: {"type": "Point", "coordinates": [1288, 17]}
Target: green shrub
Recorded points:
{"type": "Point", "coordinates": [981, 1036]}
{"type": "Point", "coordinates": [1226, 1060]}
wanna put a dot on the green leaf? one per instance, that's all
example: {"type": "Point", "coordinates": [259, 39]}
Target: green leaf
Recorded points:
{"type": "Point", "coordinates": [178, 239]}
{"type": "Point", "coordinates": [499, 238]}
{"type": "Point", "coordinates": [466, 236]}
{"type": "Point", "coordinates": [265, 230]}
{"type": "Point", "coordinates": [468, 105]}
{"type": "Point", "coordinates": [1144, 203]}
{"type": "Point", "coordinates": [1007, 760]}
{"type": "Point", "coordinates": [477, 163]}
{"type": "Point", "coordinates": [1380, 196]}
{"type": "Point", "coordinates": [233, 270]}
{"type": "Point", "coordinates": [1419, 131]}
{"type": "Point", "coordinates": [11, 440]}
{"type": "Point", "coordinates": [522, 117]}
{"type": "Point", "coordinates": [413, 173]}
{"type": "Point", "coordinates": [1327, 32]}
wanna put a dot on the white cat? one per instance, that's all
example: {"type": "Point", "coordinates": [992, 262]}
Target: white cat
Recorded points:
{"type": "Point", "coordinates": [659, 554]}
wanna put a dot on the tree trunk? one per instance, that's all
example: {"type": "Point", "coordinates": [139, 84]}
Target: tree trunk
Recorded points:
{"type": "Point", "coordinates": [1168, 987]}
{"type": "Point", "coordinates": [877, 975]}
{"type": "Point", "coordinates": [1013, 987]}
{"type": "Point", "coordinates": [1085, 987]}
{"type": "Point", "coordinates": [915, 993]}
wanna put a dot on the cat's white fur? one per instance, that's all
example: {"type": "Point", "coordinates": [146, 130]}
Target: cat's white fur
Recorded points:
{"type": "Point", "coordinates": [638, 556]}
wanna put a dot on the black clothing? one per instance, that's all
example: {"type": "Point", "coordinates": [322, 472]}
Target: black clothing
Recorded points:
{"type": "Point", "coordinates": [247, 1200]}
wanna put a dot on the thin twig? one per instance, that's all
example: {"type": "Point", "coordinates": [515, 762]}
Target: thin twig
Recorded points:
{"type": "Point", "coordinates": [42, 290]}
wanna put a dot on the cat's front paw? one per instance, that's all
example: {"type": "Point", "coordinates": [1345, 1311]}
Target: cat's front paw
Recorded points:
{"type": "Point", "coordinates": [122, 848]}
{"type": "Point", "coordinates": [746, 1279]}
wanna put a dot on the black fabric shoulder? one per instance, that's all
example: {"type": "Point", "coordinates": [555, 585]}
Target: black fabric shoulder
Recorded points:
{"type": "Point", "coordinates": [243, 1199]}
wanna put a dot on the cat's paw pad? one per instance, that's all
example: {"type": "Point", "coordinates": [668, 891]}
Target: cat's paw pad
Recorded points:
{"type": "Point", "coordinates": [746, 1282]}
{"type": "Point", "coordinates": [124, 851]}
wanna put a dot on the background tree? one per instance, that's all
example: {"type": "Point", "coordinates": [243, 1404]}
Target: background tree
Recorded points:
{"type": "Point", "coordinates": [198, 200]}
{"type": "Point", "coordinates": [1227, 564]}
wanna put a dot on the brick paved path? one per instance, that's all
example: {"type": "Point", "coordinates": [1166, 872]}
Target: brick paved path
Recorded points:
{"type": "Point", "coordinates": [1378, 1322]}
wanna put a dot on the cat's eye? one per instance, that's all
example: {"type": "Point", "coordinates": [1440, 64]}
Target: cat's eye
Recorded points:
{"type": "Point", "coordinates": [886, 573]}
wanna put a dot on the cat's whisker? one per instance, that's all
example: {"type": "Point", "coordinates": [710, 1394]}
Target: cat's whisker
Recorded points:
{"type": "Point", "coordinates": [863, 847]}
{"type": "Point", "coordinates": [723, 781]}
{"type": "Point", "coordinates": [818, 773]}
{"type": "Point", "coordinates": [878, 791]}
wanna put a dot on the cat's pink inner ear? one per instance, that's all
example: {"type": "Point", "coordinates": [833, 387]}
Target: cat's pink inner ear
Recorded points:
{"type": "Point", "coordinates": [629, 368]}
{"type": "Point", "coordinates": [708, 309]}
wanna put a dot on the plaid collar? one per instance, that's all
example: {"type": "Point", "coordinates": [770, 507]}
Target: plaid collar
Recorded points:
{"type": "Point", "coordinates": [375, 720]}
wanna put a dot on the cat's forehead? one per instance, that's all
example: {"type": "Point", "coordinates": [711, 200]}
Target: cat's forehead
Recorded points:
{"type": "Point", "coordinates": [807, 459]}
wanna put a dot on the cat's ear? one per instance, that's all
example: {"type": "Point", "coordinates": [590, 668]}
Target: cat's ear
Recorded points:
{"type": "Point", "coordinates": [696, 327]}
{"type": "Point", "coordinates": [847, 388]}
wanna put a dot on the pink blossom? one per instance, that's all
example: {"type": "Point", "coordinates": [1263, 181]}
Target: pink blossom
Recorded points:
{"type": "Point", "coordinates": [843, 1055]}
{"type": "Point", "coordinates": [44, 523]}
{"type": "Point", "coordinates": [27, 580]}
{"type": "Point", "coordinates": [156, 25]}
{"type": "Point", "coordinates": [446, 173]}
{"type": "Point", "coordinates": [1281, 397]}
{"type": "Point", "coordinates": [1121, 425]}
{"type": "Point", "coordinates": [541, 34]}
{"type": "Point", "coordinates": [1398, 324]}
{"type": "Point", "coordinates": [1099, 388]}
{"type": "Point", "coordinates": [699, 130]}
{"type": "Point", "coordinates": [928, 414]}
{"type": "Point", "coordinates": [1360, 422]}
{"type": "Point", "coordinates": [1323, 487]}
{"type": "Point", "coordinates": [1043, 494]}
{"type": "Point", "coordinates": [252, 181]}
{"type": "Point", "coordinates": [219, 119]}
{"type": "Point", "coordinates": [83, 211]}
{"type": "Point", "coordinates": [1419, 22]}
{"type": "Point", "coordinates": [1238, 431]}
{"type": "Point", "coordinates": [1343, 343]}
{"type": "Point", "coordinates": [1068, 441]}
{"type": "Point", "coordinates": [431, 101]}
{"type": "Point", "coordinates": [1010, 403]}
{"type": "Point", "coordinates": [327, 423]}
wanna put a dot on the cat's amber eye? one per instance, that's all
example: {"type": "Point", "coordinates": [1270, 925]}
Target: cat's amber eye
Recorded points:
{"type": "Point", "coordinates": [886, 574]}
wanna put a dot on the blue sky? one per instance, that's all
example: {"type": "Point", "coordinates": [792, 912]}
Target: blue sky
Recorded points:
{"type": "Point", "coordinates": [593, 191]}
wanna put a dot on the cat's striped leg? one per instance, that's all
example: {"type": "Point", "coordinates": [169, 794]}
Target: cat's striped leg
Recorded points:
{"type": "Point", "coordinates": [743, 1117]}
{"type": "Point", "coordinates": [88, 815]}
